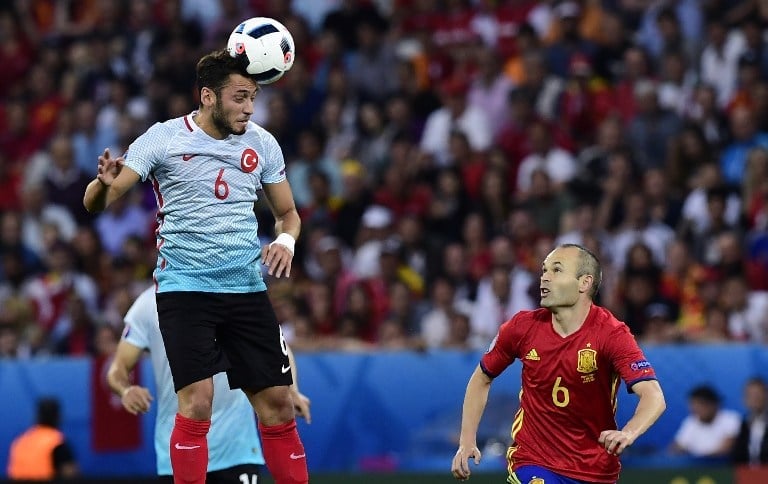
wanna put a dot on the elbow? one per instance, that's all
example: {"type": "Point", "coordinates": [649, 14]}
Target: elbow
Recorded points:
{"type": "Point", "coordinates": [89, 205]}
{"type": "Point", "coordinates": [112, 379]}
{"type": "Point", "coordinates": [661, 404]}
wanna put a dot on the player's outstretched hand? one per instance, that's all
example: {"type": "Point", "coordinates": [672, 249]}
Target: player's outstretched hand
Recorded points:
{"type": "Point", "coordinates": [301, 403]}
{"type": "Point", "coordinates": [109, 168]}
{"type": "Point", "coordinates": [615, 441]}
{"type": "Point", "coordinates": [460, 466]}
{"type": "Point", "coordinates": [136, 399]}
{"type": "Point", "coordinates": [278, 258]}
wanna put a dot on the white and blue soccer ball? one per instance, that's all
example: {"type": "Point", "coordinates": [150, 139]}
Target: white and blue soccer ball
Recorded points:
{"type": "Point", "coordinates": [266, 45]}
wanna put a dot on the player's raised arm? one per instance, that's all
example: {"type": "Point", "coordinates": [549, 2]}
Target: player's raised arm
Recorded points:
{"type": "Point", "coordinates": [475, 400]}
{"type": "Point", "coordinates": [649, 409]}
{"type": "Point", "coordinates": [279, 254]}
{"type": "Point", "coordinates": [135, 399]}
{"type": "Point", "coordinates": [111, 182]}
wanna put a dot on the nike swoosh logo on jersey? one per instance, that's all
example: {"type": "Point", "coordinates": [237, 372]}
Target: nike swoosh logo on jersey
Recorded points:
{"type": "Point", "coordinates": [186, 447]}
{"type": "Point", "coordinates": [295, 457]}
{"type": "Point", "coordinates": [187, 157]}
{"type": "Point", "coordinates": [286, 369]}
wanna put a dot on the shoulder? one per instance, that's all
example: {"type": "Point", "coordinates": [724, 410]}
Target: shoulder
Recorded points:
{"type": "Point", "coordinates": [607, 319]}
{"type": "Point", "coordinates": [169, 127]}
{"type": "Point", "coordinates": [729, 417]}
{"type": "Point", "coordinates": [143, 308]}
{"type": "Point", "coordinates": [159, 135]}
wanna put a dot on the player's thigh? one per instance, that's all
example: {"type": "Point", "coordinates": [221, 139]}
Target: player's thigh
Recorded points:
{"type": "Point", "coordinates": [188, 324]}
{"type": "Point", "coordinates": [531, 474]}
{"type": "Point", "coordinates": [253, 343]}
{"type": "Point", "coordinates": [242, 474]}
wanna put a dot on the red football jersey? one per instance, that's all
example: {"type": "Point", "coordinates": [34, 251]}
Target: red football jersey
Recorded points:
{"type": "Point", "coordinates": [569, 389]}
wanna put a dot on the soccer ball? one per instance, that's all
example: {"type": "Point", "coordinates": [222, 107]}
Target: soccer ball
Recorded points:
{"type": "Point", "coordinates": [267, 47]}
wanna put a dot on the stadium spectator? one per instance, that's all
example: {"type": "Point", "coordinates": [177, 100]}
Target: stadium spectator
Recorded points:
{"type": "Point", "coordinates": [746, 136]}
{"type": "Point", "coordinates": [43, 223]}
{"type": "Point", "coordinates": [558, 163]}
{"type": "Point", "coordinates": [720, 57]}
{"type": "Point", "coordinates": [489, 89]}
{"type": "Point", "coordinates": [651, 127]}
{"type": "Point", "coordinates": [715, 329]}
{"type": "Point", "coordinates": [706, 114]}
{"type": "Point", "coordinates": [687, 152]}
{"type": "Point", "coordinates": [311, 149]}
{"type": "Point", "coordinates": [639, 226]}
{"type": "Point", "coordinates": [42, 453]}
{"type": "Point", "coordinates": [64, 181]}
{"type": "Point", "coordinates": [455, 113]}
{"type": "Point", "coordinates": [709, 431]}
{"type": "Point", "coordinates": [435, 325]}
{"type": "Point", "coordinates": [659, 325]}
{"type": "Point", "coordinates": [547, 205]}
{"type": "Point", "coordinates": [751, 446]}
{"type": "Point", "coordinates": [569, 42]}
{"type": "Point", "coordinates": [747, 310]}
{"type": "Point", "coordinates": [679, 283]}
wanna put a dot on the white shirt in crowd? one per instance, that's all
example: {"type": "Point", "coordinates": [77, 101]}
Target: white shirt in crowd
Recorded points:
{"type": "Point", "coordinates": [701, 439]}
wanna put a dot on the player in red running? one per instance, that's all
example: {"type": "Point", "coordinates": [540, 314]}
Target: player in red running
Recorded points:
{"type": "Point", "coordinates": [574, 354]}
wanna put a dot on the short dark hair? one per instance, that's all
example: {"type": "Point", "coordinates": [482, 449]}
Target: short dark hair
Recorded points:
{"type": "Point", "coordinates": [589, 264]}
{"type": "Point", "coordinates": [757, 381]}
{"type": "Point", "coordinates": [48, 412]}
{"type": "Point", "coordinates": [704, 393]}
{"type": "Point", "coordinates": [213, 69]}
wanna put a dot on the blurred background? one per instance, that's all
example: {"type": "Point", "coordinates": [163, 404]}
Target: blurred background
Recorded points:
{"type": "Point", "coordinates": [438, 150]}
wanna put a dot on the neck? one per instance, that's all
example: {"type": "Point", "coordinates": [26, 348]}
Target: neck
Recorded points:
{"type": "Point", "coordinates": [567, 321]}
{"type": "Point", "coordinates": [205, 122]}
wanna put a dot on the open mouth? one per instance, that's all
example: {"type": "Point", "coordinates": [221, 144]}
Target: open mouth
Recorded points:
{"type": "Point", "coordinates": [544, 291]}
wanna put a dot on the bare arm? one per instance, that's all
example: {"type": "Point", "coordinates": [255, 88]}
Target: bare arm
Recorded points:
{"type": "Point", "coordinates": [475, 399]}
{"type": "Point", "coordinates": [280, 200]}
{"type": "Point", "coordinates": [300, 401]}
{"type": "Point", "coordinates": [135, 399]}
{"type": "Point", "coordinates": [279, 254]}
{"type": "Point", "coordinates": [649, 409]}
{"type": "Point", "coordinates": [111, 182]}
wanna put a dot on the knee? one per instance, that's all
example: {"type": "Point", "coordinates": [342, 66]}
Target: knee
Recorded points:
{"type": "Point", "coordinates": [196, 403]}
{"type": "Point", "coordinates": [273, 405]}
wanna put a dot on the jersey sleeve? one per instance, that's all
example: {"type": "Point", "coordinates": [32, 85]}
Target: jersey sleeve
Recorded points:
{"type": "Point", "coordinates": [627, 357]}
{"type": "Point", "coordinates": [139, 318]}
{"type": "Point", "coordinates": [148, 150]}
{"type": "Point", "coordinates": [503, 349]}
{"type": "Point", "coordinates": [274, 165]}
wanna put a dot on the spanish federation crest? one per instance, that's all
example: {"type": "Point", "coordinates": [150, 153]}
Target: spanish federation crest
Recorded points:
{"type": "Point", "coordinates": [587, 361]}
{"type": "Point", "coordinates": [536, 480]}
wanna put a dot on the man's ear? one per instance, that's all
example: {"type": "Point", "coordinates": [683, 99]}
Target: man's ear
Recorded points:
{"type": "Point", "coordinates": [207, 97]}
{"type": "Point", "coordinates": [585, 282]}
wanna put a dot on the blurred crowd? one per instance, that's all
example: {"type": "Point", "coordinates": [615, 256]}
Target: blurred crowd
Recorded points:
{"type": "Point", "coordinates": [437, 150]}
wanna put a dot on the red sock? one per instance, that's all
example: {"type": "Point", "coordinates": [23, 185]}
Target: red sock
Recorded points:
{"type": "Point", "coordinates": [189, 450]}
{"type": "Point", "coordinates": [284, 453]}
